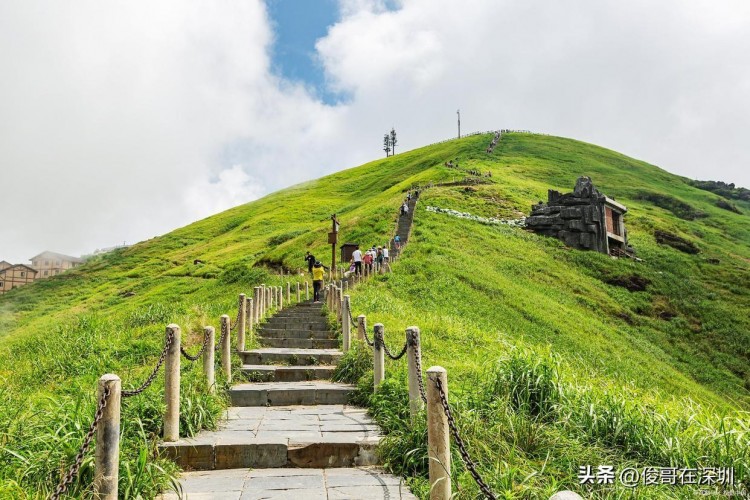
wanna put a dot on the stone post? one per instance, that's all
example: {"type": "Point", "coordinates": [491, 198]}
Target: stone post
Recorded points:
{"type": "Point", "coordinates": [361, 327]}
{"type": "Point", "coordinates": [262, 303]}
{"type": "Point", "coordinates": [208, 359]}
{"type": "Point", "coordinates": [307, 290]}
{"type": "Point", "coordinates": [226, 349]}
{"type": "Point", "coordinates": [438, 436]}
{"type": "Point", "coordinates": [378, 353]}
{"type": "Point", "coordinates": [256, 304]}
{"type": "Point", "coordinates": [413, 350]}
{"type": "Point", "coordinates": [242, 324]}
{"type": "Point", "coordinates": [172, 386]}
{"type": "Point", "coordinates": [299, 294]}
{"type": "Point", "coordinates": [346, 286]}
{"type": "Point", "coordinates": [107, 460]}
{"type": "Point", "coordinates": [346, 325]}
{"type": "Point", "coordinates": [288, 293]}
{"type": "Point", "coordinates": [250, 321]}
{"type": "Point", "coordinates": [281, 298]}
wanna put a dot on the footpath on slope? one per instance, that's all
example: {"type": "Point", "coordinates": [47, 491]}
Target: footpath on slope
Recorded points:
{"type": "Point", "coordinates": [290, 433]}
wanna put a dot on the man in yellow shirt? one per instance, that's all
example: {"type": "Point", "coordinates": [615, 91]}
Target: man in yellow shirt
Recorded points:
{"type": "Point", "coordinates": [319, 274]}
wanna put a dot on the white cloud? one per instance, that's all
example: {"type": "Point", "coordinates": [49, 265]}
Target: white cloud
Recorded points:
{"type": "Point", "coordinates": [116, 118]}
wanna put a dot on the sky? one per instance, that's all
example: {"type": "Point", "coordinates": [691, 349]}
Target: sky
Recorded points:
{"type": "Point", "coordinates": [120, 121]}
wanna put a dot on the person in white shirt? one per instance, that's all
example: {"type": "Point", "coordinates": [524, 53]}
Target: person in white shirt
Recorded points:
{"type": "Point", "coordinates": [357, 256]}
{"type": "Point", "coordinates": [386, 260]}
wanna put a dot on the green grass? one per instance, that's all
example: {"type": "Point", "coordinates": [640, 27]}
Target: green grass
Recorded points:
{"type": "Point", "coordinates": [550, 366]}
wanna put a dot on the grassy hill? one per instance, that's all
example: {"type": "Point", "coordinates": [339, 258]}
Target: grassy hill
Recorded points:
{"type": "Point", "coordinates": [552, 362]}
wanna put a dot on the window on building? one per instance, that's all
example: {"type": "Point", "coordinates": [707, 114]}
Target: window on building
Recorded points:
{"type": "Point", "coordinates": [2, 284]}
{"type": "Point", "coordinates": [23, 274]}
{"type": "Point", "coordinates": [46, 273]}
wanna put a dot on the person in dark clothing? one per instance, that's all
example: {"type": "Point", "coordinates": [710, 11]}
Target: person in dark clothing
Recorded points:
{"type": "Point", "coordinates": [310, 259]}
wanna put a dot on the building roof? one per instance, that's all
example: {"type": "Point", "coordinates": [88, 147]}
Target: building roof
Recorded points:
{"type": "Point", "coordinates": [14, 266]}
{"type": "Point", "coordinates": [613, 203]}
{"type": "Point", "coordinates": [57, 256]}
{"type": "Point", "coordinates": [5, 262]}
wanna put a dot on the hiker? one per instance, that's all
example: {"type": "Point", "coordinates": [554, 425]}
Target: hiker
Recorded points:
{"type": "Point", "coordinates": [397, 242]}
{"type": "Point", "coordinates": [386, 260]}
{"type": "Point", "coordinates": [351, 270]}
{"type": "Point", "coordinates": [357, 259]}
{"type": "Point", "coordinates": [379, 259]}
{"type": "Point", "coordinates": [310, 259]}
{"type": "Point", "coordinates": [367, 259]}
{"type": "Point", "coordinates": [318, 274]}
{"type": "Point", "coordinates": [403, 208]}
{"type": "Point", "coordinates": [408, 196]}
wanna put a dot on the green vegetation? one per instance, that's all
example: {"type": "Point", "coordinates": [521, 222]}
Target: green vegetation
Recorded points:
{"type": "Point", "coordinates": [556, 358]}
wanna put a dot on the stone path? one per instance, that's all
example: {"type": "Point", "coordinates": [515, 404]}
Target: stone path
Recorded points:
{"type": "Point", "coordinates": [291, 433]}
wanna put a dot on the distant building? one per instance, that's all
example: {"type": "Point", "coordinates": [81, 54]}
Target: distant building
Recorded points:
{"type": "Point", "coordinates": [15, 275]}
{"type": "Point", "coordinates": [50, 263]}
{"type": "Point", "coordinates": [584, 219]}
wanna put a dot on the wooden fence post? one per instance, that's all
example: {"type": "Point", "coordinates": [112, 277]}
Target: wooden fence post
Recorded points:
{"type": "Point", "coordinates": [438, 436]}
{"type": "Point", "coordinates": [346, 325]}
{"type": "Point", "coordinates": [172, 386]}
{"type": "Point", "coordinates": [413, 350]}
{"type": "Point", "coordinates": [378, 353]}
{"type": "Point", "coordinates": [361, 327]}
{"type": "Point", "coordinates": [208, 359]}
{"type": "Point", "coordinates": [107, 459]}
{"type": "Point", "coordinates": [226, 349]}
{"type": "Point", "coordinates": [241, 326]}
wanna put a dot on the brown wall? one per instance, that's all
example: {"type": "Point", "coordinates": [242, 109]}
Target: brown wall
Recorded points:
{"type": "Point", "coordinates": [51, 266]}
{"type": "Point", "coordinates": [14, 277]}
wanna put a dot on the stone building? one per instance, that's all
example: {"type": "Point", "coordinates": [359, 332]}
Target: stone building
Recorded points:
{"type": "Point", "coordinates": [15, 275]}
{"type": "Point", "coordinates": [51, 263]}
{"type": "Point", "coordinates": [584, 219]}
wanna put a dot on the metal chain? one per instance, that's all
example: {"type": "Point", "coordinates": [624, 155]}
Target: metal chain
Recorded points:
{"type": "Point", "coordinates": [351, 318]}
{"type": "Point", "coordinates": [418, 366]}
{"type": "Point", "coordinates": [460, 443]}
{"type": "Point", "coordinates": [200, 353]}
{"type": "Point", "coordinates": [367, 339]}
{"type": "Point", "coordinates": [73, 471]}
{"type": "Point", "coordinates": [224, 331]}
{"type": "Point", "coordinates": [239, 311]}
{"type": "Point", "coordinates": [150, 379]}
{"type": "Point", "coordinates": [399, 355]}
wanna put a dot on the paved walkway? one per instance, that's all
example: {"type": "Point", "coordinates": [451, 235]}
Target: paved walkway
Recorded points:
{"type": "Point", "coordinates": [295, 484]}
{"type": "Point", "coordinates": [292, 435]}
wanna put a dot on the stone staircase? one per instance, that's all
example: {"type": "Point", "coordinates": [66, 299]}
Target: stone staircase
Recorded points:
{"type": "Point", "coordinates": [404, 225]}
{"type": "Point", "coordinates": [291, 417]}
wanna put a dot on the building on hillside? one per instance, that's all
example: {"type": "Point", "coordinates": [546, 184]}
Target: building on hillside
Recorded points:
{"type": "Point", "coordinates": [4, 264]}
{"type": "Point", "coordinates": [50, 263]}
{"type": "Point", "coordinates": [15, 275]}
{"type": "Point", "coordinates": [584, 219]}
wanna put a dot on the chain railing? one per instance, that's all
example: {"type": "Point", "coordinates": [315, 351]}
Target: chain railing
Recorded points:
{"type": "Point", "coordinates": [468, 462]}
{"type": "Point", "coordinates": [155, 371]}
{"type": "Point", "coordinates": [197, 356]}
{"type": "Point", "coordinates": [67, 479]}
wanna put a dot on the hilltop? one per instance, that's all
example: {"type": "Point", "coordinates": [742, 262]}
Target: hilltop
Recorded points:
{"type": "Point", "coordinates": [483, 295]}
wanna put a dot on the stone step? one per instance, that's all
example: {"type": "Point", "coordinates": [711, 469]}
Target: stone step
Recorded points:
{"type": "Point", "coordinates": [290, 393]}
{"type": "Point", "coordinates": [301, 436]}
{"type": "Point", "coordinates": [298, 484]}
{"type": "Point", "coordinates": [280, 373]}
{"type": "Point", "coordinates": [291, 356]}
{"type": "Point", "coordinates": [316, 324]}
{"type": "Point", "coordinates": [299, 343]}
{"type": "Point", "coordinates": [296, 333]}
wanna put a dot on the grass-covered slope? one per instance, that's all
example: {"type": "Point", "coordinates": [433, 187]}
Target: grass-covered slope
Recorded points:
{"type": "Point", "coordinates": [481, 294]}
